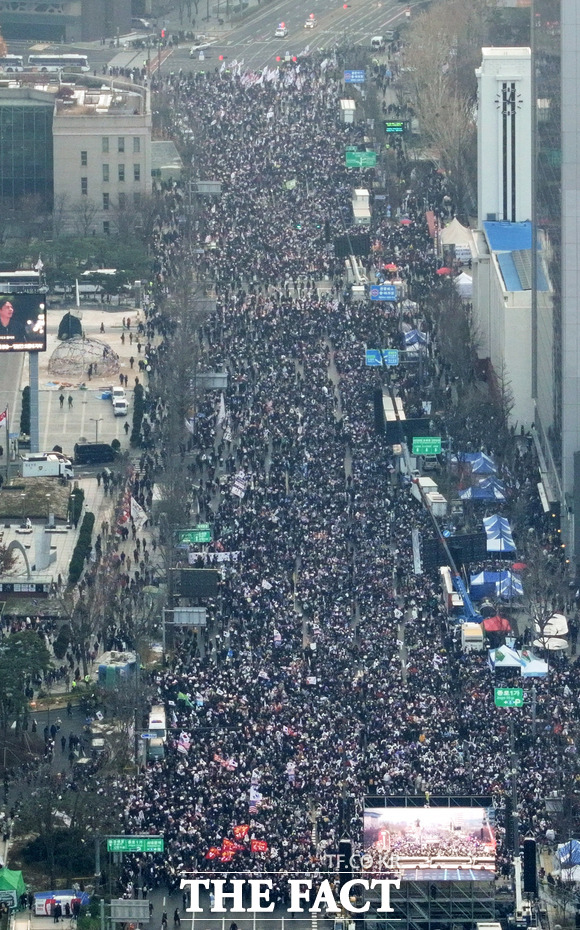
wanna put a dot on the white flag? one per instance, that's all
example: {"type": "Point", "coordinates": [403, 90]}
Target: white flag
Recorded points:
{"type": "Point", "coordinates": [39, 265]}
{"type": "Point", "coordinates": [138, 515]}
{"type": "Point", "coordinates": [221, 417]}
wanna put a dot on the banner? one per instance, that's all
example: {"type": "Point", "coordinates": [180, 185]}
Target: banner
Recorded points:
{"type": "Point", "coordinates": [258, 846]}
{"type": "Point", "coordinates": [241, 831]}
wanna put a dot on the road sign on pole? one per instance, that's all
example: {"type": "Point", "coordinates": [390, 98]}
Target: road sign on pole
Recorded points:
{"type": "Point", "coordinates": [135, 844]}
{"type": "Point", "coordinates": [147, 736]}
{"type": "Point", "coordinates": [197, 534]}
{"type": "Point", "coordinates": [390, 357]}
{"type": "Point", "coordinates": [508, 697]}
{"type": "Point", "coordinates": [360, 159]}
{"type": "Point", "coordinates": [373, 358]}
{"type": "Point", "coordinates": [426, 445]}
{"type": "Point", "coordinates": [383, 292]}
{"type": "Point", "coordinates": [354, 77]}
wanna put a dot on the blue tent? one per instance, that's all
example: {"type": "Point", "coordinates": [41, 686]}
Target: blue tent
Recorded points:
{"type": "Point", "coordinates": [483, 465]}
{"type": "Point", "coordinates": [479, 493]}
{"type": "Point", "coordinates": [414, 338]}
{"type": "Point", "coordinates": [499, 534]}
{"type": "Point", "coordinates": [495, 584]}
{"type": "Point", "coordinates": [492, 482]}
{"type": "Point", "coordinates": [569, 854]}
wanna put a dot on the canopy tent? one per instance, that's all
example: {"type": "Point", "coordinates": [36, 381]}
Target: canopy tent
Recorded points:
{"type": "Point", "coordinates": [532, 667]}
{"type": "Point", "coordinates": [568, 854]}
{"type": "Point", "coordinates": [11, 885]}
{"type": "Point", "coordinates": [492, 482]}
{"type": "Point", "coordinates": [456, 234]}
{"type": "Point", "coordinates": [464, 285]}
{"type": "Point", "coordinates": [479, 493]}
{"type": "Point", "coordinates": [415, 338]}
{"type": "Point", "coordinates": [503, 658]}
{"type": "Point", "coordinates": [482, 464]}
{"type": "Point", "coordinates": [551, 643]}
{"type": "Point", "coordinates": [557, 625]}
{"type": "Point", "coordinates": [498, 584]}
{"type": "Point", "coordinates": [496, 624]}
{"type": "Point", "coordinates": [499, 534]}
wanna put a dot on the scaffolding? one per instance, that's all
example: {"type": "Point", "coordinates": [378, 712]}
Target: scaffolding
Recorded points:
{"type": "Point", "coordinates": [445, 905]}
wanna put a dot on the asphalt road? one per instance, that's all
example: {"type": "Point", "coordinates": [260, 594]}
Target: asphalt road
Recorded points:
{"type": "Point", "coordinates": [253, 40]}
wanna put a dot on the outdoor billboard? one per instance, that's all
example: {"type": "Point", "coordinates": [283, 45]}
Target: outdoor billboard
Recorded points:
{"type": "Point", "coordinates": [22, 323]}
{"type": "Point", "coordinates": [452, 842]}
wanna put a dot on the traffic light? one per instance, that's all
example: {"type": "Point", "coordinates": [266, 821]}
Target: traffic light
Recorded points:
{"type": "Point", "coordinates": [220, 57]}
{"type": "Point", "coordinates": [163, 33]}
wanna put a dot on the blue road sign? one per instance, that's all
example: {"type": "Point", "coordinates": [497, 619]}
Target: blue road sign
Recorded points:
{"type": "Point", "coordinates": [354, 77]}
{"type": "Point", "coordinates": [147, 736]}
{"type": "Point", "coordinates": [373, 358]}
{"type": "Point", "coordinates": [383, 292]}
{"type": "Point", "coordinates": [391, 357]}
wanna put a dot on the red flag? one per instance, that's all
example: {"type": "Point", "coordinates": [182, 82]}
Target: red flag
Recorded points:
{"type": "Point", "coordinates": [226, 856]}
{"type": "Point", "coordinates": [213, 852]}
{"type": "Point", "coordinates": [241, 831]}
{"type": "Point", "coordinates": [258, 846]}
{"type": "Point", "coordinates": [3, 415]}
{"type": "Point", "coordinates": [230, 846]}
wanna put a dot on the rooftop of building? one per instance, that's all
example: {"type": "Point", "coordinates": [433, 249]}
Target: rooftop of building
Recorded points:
{"type": "Point", "coordinates": [86, 96]}
{"type": "Point", "coordinates": [512, 244]}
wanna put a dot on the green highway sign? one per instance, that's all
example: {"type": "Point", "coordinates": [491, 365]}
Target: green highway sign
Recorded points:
{"type": "Point", "coordinates": [508, 697]}
{"type": "Point", "coordinates": [360, 159]}
{"type": "Point", "coordinates": [198, 534]}
{"type": "Point", "coordinates": [135, 844]}
{"type": "Point", "coordinates": [426, 445]}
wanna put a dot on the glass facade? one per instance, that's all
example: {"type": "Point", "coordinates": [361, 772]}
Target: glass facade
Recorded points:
{"type": "Point", "coordinates": [26, 159]}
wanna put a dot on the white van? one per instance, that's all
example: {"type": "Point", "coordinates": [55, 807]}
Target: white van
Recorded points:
{"type": "Point", "coordinates": [377, 43]}
{"type": "Point", "coordinates": [120, 407]}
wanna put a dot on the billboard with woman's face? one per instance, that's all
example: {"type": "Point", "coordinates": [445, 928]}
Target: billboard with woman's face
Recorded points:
{"type": "Point", "coordinates": [22, 323]}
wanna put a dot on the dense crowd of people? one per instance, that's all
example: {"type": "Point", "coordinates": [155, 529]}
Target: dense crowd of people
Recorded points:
{"type": "Point", "coordinates": [304, 700]}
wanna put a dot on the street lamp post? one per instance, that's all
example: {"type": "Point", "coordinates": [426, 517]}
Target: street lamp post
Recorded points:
{"type": "Point", "coordinates": [96, 421]}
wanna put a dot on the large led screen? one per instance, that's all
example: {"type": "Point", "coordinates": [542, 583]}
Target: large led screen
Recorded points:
{"type": "Point", "coordinates": [430, 843]}
{"type": "Point", "coordinates": [22, 323]}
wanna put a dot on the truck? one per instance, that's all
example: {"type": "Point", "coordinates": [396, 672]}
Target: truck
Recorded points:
{"type": "Point", "coordinates": [46, 465]}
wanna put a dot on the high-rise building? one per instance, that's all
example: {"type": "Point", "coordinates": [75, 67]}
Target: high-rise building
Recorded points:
{"type": "Point", "coordinates": [65, 20]}
{"type": "Point", "coordinates": [556, 217]}
{"type": "Point", "coordinates": [26, 145]}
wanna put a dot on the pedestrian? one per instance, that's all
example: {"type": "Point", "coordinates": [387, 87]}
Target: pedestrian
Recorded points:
{"type": "Point", "coordinates": [176, 918]}
{"type": "Point", "coordinates": [70, 401]}
{"type": "Point", "coordinates": [61, 399]}
{"type": "Point", "coordinates": [126, 427]}
{"type": "Point", "coordinates": [164, 921]}
{"type": "Point", "coordinates": [132, 361]}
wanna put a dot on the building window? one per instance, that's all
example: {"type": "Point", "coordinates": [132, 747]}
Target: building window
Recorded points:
{"type": "Point", "coordinates": [84, 160]}
{"type": "Point", "coordinates": [105, 173]}
{"type": "Point", "coordinates": [122, 201]}
{"type": "Point", "coordinates": [106, 227]}
{"type": "Point", "coordinates": [136, 172]}
{"type": "Point", "coordinates": [84, 185]}
{"type": "Point", "coordinates": [105, 201]}
{"type": "Point", "coordinates": [105, 148]}
{"type": "Point", "coordinates": [136, 145]}
{"type": "Point", "coordinates": [121, 143]}
{"type": "Point", "coordinates": [121, 172]}
{"type": "Point", "coordinates": [137, 198]}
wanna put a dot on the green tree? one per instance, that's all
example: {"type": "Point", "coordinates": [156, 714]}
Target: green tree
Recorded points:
{"type": "Point", "coordinates": [23, 657]}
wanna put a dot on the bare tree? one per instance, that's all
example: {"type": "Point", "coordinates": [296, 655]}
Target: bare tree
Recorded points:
{"type": "Point", "coordinates": [82, 214]}
{"type": "Point", "coordinates": [545, 588]}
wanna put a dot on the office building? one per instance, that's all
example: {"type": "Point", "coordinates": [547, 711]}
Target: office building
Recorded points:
{"type": "Point", "coordinates": [26, 156]}
{"type": "Point", "coordinates": [502, 297]}
{"type": "Point", "coordinates": [64, 20]}
{"type": "Point", "coordinates": [556, 319]}
{"type": "Point", "coordinates": [102, 156]}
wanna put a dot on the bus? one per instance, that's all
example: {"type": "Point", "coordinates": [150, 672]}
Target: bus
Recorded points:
{"type": "Point", "coordinates": [10, 63]}
{"type": "Point", "coordinates": [58, 62]}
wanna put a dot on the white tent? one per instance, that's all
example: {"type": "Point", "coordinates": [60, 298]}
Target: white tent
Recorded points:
{"type": "Point", "coordinates": [532, 667]}
{"type": "Point", "coordinates": [464, 285]}
{"type": "Point", "coordinates": [504, 657]}
{"type": "Point", "coordinates": [551, 643]}
{"type": "Point", "coordinates": [459, 236]}
{"type": "Point", "coordinates": [557, 625]}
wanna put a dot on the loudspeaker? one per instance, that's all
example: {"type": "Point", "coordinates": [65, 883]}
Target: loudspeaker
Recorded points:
{"type": "Point", "coordinates": [530, 873]}
{"type": "Point", "coordinates": [345, 852]}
